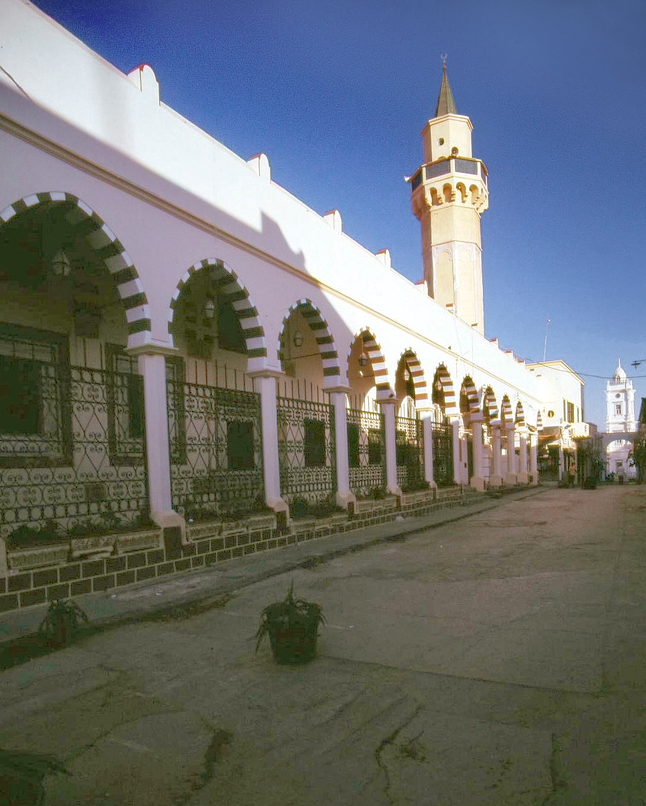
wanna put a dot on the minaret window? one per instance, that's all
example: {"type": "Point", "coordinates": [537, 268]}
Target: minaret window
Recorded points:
{"type": "Point", "coordinates": [466, 166]}
{"type": "Point", "coordinates": [437, 169]}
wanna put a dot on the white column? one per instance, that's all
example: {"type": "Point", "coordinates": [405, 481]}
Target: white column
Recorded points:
{"type": "Point", "coordinates": [477, 481]}
{"type": "Point", "coordinates": [388, 407]}
{"type": "Point", "coordinates": [496, 479]}
{"type": "Point", "coordinates": [533, 457]}
{"type": "Point", "coordinates": [511, 477]}
{"type": "Point", "coordinates": [152, 366]}
{"type": "Point", "coordinates": [344, 495]}
{"type": "Point", "coordinates": [458, 477]}
{"type": "Point", "coordinates": [523, 474]}
{"type": "Point", "coordinates": [427, 424]}
{"type": "Point", "coordinates": [561, 462]}
{"type": "Point", "coordinates": [265, 385]}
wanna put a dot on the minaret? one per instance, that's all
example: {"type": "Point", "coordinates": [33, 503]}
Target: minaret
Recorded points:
{"type": "Point", "coordinates": [449, 193]}
{"type": "Point", "coordinates": [620, 403]}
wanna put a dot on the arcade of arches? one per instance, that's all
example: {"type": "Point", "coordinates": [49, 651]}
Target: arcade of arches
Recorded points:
{"type": "Point", "coordinates": [96, 428]}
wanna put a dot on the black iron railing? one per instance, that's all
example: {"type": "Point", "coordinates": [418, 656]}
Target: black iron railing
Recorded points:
{"type": "Point", "coordinates": [410, 452]}
{"type": "Point", "coordinates": [78, 455]}
{"type": "Point", "coordinates": [366, 451]}
{"type": "Point", "coordinates": [216, 449]}
{"type": "Point", "coordinates": [306, 449]}
{"type": "Point", "coordinates": [443, 455]}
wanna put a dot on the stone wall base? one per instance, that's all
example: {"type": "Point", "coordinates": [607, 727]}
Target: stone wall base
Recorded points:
{"type": "Point", "coordinates": [207, 544]}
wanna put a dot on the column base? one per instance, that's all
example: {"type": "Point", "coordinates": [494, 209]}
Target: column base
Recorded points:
{"type": "Point", "coordinates": [478, 484]}
{"type": "Point", "coordinates": [281, 509]}
{"type": "Point", "coordinates": [495, 482]}
{"type": "Point", "coordinates": [524, 478]}
{"type": "Point", "coordinates": [511, 480]}
{"type": "Point", "coordinates": [394, 491]}
{"type": "Point", "coordinates": [168, 519]}
{"type": "Point", "coordinates": [345, 499]}
{"type": "Point", "coordinates": [533, 479]}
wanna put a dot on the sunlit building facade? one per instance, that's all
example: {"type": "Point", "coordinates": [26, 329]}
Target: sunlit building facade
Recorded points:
{"type": "Point", "coordinates": [181, 337]}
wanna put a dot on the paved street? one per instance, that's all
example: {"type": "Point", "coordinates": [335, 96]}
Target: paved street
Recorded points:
{"type": "Point", "coordinates": [495, 660]}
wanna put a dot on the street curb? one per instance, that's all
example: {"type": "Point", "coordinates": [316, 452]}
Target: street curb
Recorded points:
{"type": "Point", "coordinates": [318, 551]}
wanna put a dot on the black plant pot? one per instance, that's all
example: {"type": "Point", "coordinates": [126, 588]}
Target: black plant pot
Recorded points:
{"type": "Point", "coordinates": [294, 645]}
{"type": "Point", "coordinates": [292, 626]}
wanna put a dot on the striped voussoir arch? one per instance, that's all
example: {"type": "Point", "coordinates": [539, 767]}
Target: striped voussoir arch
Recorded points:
{"type": "Point", "coordinates": [442, 375]}
{"type": "Point", "coordinates": [88, 225]}
{"type": "Point", "coordinates": [225, 283]}
{"type": "Point", "coordinates": [489, 403]}
{"type": "Point", "coordinates": [471, 392]}
{"type": "Point", "coordinates": [321, 331]}
{"type": "Point", "coordinates": [520, 414]}
{"type": "Point", "coordinates": [376, 358]}
{"type": "Point", "coordinates": [417, 374]}
{"type": "Point", "coordinates": [507, 413]}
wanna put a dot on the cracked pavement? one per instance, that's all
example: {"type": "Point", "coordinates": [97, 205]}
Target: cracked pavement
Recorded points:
{"type": "Point", "coordinates": [495, 660]}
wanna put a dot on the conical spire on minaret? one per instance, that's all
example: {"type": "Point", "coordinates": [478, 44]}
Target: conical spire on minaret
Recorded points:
{"type": "Point", "coordinates": [445, 103]}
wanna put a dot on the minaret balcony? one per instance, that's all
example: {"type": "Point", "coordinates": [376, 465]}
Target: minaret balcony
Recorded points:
{"type": "Point", "coordinates": [450, 181]}
{"type": "Point", "coordinates": [444, 167]}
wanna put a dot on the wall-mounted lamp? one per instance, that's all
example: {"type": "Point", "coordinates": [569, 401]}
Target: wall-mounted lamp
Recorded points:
{"type": "Point", "coordinates": [61, 265]}
{"type": "Point", "coordinates": [209, 308]}
{"type": "Point", "coordinates": [297, 339]}
{"type": "Point", "coordinates": [363, 360]}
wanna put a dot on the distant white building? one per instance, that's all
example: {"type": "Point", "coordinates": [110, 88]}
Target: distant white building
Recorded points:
{"type": "Point", "coordinates": [620, 419]}
{"type": "Point", "coordinates": [561, 418]}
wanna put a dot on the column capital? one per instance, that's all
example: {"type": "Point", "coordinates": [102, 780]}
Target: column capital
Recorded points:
{"type": "Point", "coordinates": [388, 401]}
{"type": "Point", "coordinates": [267, 372]}
{"type": "Point", "coordinates": [152, 348]}
{"type": "Point", "coordinates": [345, 388]}
{"type": "Point", "coordinates": [261, 363]}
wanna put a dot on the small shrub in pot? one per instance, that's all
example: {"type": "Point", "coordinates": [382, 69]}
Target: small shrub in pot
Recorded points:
{"type": "Point", "coordinates": [292, 627]}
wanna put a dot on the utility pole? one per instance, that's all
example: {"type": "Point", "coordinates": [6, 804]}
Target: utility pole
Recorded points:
{"type": "Point", "coordinates": [547, 324]}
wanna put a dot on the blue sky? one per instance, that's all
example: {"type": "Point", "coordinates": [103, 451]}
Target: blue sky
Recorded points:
{"type": "Point", "coordinates": [336, 93]}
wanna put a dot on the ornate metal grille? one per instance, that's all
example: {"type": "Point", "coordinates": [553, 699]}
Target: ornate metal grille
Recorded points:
{"type": "Point", "coordinates": [443, 455]}
{"type": "Point", "coordinates": [366, 451]}
{"type": "Point", "coordinates": [410, 451]}
{"type": "Point", "coordinates": [306, 449]}
{"type": "Point", "coordinates": [216, 449]}
{"type": "Point", "coordinates": [80, 456]}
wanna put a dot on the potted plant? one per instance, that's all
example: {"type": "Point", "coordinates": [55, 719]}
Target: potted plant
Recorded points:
{"type": "Point", "coordinates": [21, 776]}
{"type": "Point", "coordinates": [292, 627]}
{"type": "Point", "coordinates": [61, 623]}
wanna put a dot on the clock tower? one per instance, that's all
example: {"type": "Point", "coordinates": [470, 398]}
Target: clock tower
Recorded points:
{"type": "Point", "coordinates": [620, 403]}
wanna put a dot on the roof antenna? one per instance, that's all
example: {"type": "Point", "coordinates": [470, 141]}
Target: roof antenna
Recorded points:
{"type": "Point", "coordinates": [547, 324]}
